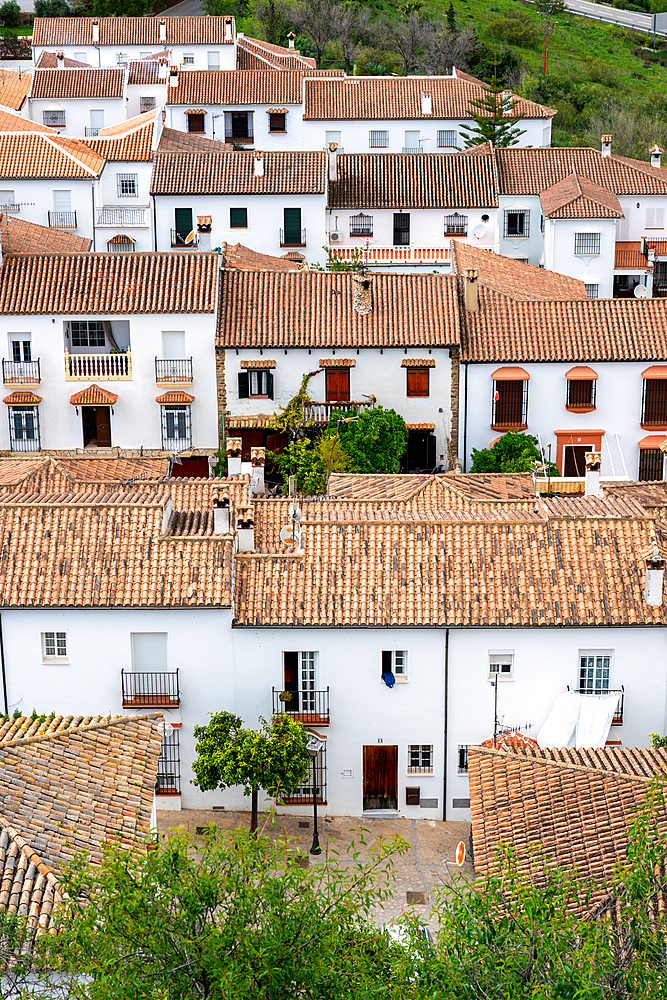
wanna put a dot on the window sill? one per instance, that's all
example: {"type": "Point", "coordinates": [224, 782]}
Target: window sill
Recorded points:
{"type": "Point", "coordinates": [416, 395]}
{"type": "Point", "coordinates": [508, 427]}
{"type": "Point", "coordinates": [237, 228]}
{"type": "Point", "coordinates": [277, 131]}
{"type": "Point", "coordinates": [423, 772]}
{"type": "Point", "coordinates": [516, 236]}
{"type": "Point", "coordinates": [400, 679]}
{"type": "Point", "coordinates": [654, 427]}
{"type": "Point", "coordinates": [581, 409]}
{"type": "Point", "coordinates": [55, 659]}
{"type": "Point", "coordinates": [361, 236]}
{"type": "Point", "coordinates": [263, 396]}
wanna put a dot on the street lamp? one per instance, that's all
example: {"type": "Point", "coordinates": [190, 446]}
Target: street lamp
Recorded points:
{"type": "Point", "coordinates": [313, 746]}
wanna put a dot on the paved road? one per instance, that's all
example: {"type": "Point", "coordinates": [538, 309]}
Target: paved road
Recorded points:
{"type": "Point", "coordinates": [187, 8]}
{"type": "Point", "coordinates": [626, 18]}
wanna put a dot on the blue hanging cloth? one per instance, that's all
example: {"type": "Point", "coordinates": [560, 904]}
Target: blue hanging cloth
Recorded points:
{"type": "Point", "coordinates": [389, 679]}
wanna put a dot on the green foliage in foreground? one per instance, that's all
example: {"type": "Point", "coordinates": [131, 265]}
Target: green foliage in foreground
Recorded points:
{"type": "Point", "coordinates": [513, 452]}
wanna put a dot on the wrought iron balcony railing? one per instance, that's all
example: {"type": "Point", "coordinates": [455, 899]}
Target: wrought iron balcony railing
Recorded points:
{"type": "Point", "coordinates": [150, 689]}
{"type": "Point", "coordinates": [173, 370]}
{"type": "Point", "coordinates": [62, 220]}
{"type": "Point", "coordinates": [20, 371]}
{"type": "Point", "coordinates": [309, 707]}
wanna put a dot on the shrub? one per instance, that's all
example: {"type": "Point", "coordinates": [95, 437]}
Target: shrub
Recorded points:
{"type": "Point", "coordinates": [10, 12]}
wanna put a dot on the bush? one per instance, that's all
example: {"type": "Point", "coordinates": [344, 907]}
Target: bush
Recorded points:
{"type": "Point", "coordinates": [10, 12]}
{"type": "Point", "coordinates": [52, 8]}
{"type": "Point", "coordinates": [515, 29]}
{"type": "Point", "coordinates": [513, 452]}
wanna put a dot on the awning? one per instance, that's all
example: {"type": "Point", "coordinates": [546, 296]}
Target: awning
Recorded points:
{"type": "Point", "coordinates": [195, 111]}
{"type": "Point", "coordinates": [258, 363]}
{"type": "Point", "coordinates": [510, 375]}
{"type": "Point", "coordinates": [418, 363]}
{"type": "Point", "coordinates": [93, 396]}
{"type": "Point", "coordinates": [22, 398]}
{"type": "Point", "coordinates": [655, 371]}
{"type": "Point", "coordinates": [581, 372]}
{"type": "Point", "coordinates": [337, 362]}
{"type": "Point", "coordinates": [652, 442]}
{"type": "Point", "coordinates": [175, 396]}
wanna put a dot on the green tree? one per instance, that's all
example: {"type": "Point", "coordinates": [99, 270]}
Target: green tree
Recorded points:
{"type": "Point", "coordinates": [275, 758]}
{"type": "Point", "coordinates": [513, 452]}
{"type": "Point", "coordinates": [310, 460]}
{"type": "Point", "coordinates": [52, 8]}
{"type": "Point", "coordinates": [374, 441]}
{"type": "Point", "coordinates": [10, 12]}
{"type": "Point", "coordinates": [495, 118]}
{"type": "Point", "coordinates": [451, 18]}
{"type": "Point", "coordinates": [120, 8]}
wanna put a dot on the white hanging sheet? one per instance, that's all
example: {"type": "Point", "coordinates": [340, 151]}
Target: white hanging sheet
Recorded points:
{"type": "Point", "coordinates": [597, 711]}
{"type": "Point", "coordinates": [561, 720]}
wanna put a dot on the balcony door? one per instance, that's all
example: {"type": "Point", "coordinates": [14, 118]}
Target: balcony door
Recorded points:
{"type": "Point", "coordinates": [402, 229]}
{"type": "Point", "coordinates": [380, 777]}
{"type": "Point", "coordinates": [183, 224]}
{"type": "Point", "coordinates": [300, 677]}
{"type": "Point", "coordinates": [575, 460]}
{"type": "Point", "coordinates": [292, 221]}
{"type": "Point", "coordinates": [337, 385]}
{"type": "Point", "coordinates": [96, 426]}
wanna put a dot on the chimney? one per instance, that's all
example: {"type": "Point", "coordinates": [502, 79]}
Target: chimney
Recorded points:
{"type": "Point", "coordinates": [290, 39]}
{"type": "Point", "coordinates": [593, 460]}
{"type": "Point", "coordinates": [163, 30]}
{"type": "Point", "coordinates": [228, 30]}
{"type": "Point", "coordinates": [234, 449]}
{"type": "Point", "coordinates": [656, 156]}
{"type": "Point", "coordinates": [426, 104]}
{"type": "Point", "coordinates": [332, 157]}
{"type": "Point", "coordinates": [96, 31]}
{"type": "Point", "coordinates": [60, 62]}
{"type": "Point", "coordinates": [257, 460]}
{"type": "Point", "coordinates": [204, 224]}
{"type": "Point", "coordinates": [173, 76]}
{"type": "Point", "coordinates": [162, 70]}
{"type": "Point", "coordinates": [259, 163]}
{"type": "Point", "coordinates": [221, 515]}
{"type": "Point", "coordinates": [471, 291]}
{"type": "Point", "coordinates": [245, 531]}
{"type": "Point", "coordinates": [606, 145]}
{"type": "Point", "coordinates": [655, 572]}
{"type": "Point", "coordinates": [362, 297]}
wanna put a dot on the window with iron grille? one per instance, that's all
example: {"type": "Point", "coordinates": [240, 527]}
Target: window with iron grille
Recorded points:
{"type": "Point", "coordinates": [456, 225]}
{"type": "Point", "coordinates": [650, 464]}
{"type": "Point", "coordinates": [54, 645]}
{"type": "Point", "coordinates": [127, 185]}
{"type": "Point", "coordinates": [277, 121]}
{"type": "Point", "coordinates": [654, 403]}
{"type": "Point", "coordinates": [176, 426]}
{"type": "Point", "coordinates": [120, 246]}
{"type": "Point", "coordinates": [361, 225]}
{"type": "Point", "coordinates": [56, 119]}
{"type": "Point", "coordinates": [146, 104]}
{"type": "Point", "coordinates": [580, 393]}
{"type": "Point", "coordinates": [303, 795]}
{"type": "Point", "coordinates": [462, 758]}
{"type": "Point", "coordinates": [587, 243]}
{"type": "Point", "coordinates": [378, 140]}
{"type": "Point", "coordinates": [592, 291]}
{"type": "Point", "coordinates": [516, 223]}
{"type": "Point", "coordinates": [510, 403]}
{"type": "Point", "coordinates": [88, 333]}
{"type": "Point", "coordinates": [420, 758]}
{"type": "Point", "coordinates": [23, 428]}
{"type": "Point", "coordinates": [594, 671]}
{"type": "Point", "coordinates": [168, 781]}
{"type": "Point", "coordinates": [447, 138]}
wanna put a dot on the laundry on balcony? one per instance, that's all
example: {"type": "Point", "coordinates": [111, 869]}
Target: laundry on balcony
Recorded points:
{"type": "Point", "coordinates": [585, 716]}
{"type": "Point", "coordinates": [389, 679]}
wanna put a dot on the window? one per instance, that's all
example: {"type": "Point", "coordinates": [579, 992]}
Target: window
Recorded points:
{"type": "Point", "coordinates": [401, 229]}
{"type": "Point", "coordinates": [188, 58]}
{"type": "Point", "coordinates": [121, 59]}
{"type": "Point", "coordinates": [20, 347]}
{"type": "Point", "coordinates": [23, 428]}
{"type": "Point", "coordinates": [88, 333]}
{"type": "Point", "coordinates": [145, 55]}
{"type": "Point", "coordinates": [54, 645]}
{"type": "Point", "coordinates": [239, 126]}
{"type": "Point", "coordinates": [303, 795]}
{"type": "Point", "coordinates": [587, 243]}
{"type": "Point", "coordinates": [213, 60]}
{"type": "Point", "coordinates": [412, 142]}
{"type": "Point", "coordinates": [149, 651]}
{"type": "Point", "coordinates": [96, 122]}
{"type": "Point", "coordinates": [62, 201]}
{"type": "Point", "coordinates": [650, 464]}
{"type": "Point", "coordinates": [417, 382]}
{"type": "Point", "coordinates": [277, 121]}
{"type": "Point", "coordinates": [594, 671]}
{"type": "Point", "coordinates": [56, 119]}
{"type": "Point", "coordinates": [580, 394]}
{"type": "Point", "coordinates": [146, 104]}
{"type": "Point", "coordinates": [456, 225]}
{"type": "Point", "coordinates": [8, 201]}
{"type": "Point", "coordinates": [292, 234]}
{"type": "Point", "coordinates": [510, 403]}
{"type": "Point", "coordinates": [361, 225]}
{"type": "Point", "coordinates": [196, 123]}
{"type": "Point", "coordinates": [183, 232]}
{"type": "Point", "coordinates": [337, 385]}
{"type": "Point", "coordinates": [447, 138]}
{"type": "Point", "coordinates": [378, 140]}
{"type": "Point", "coordinates": [173, 344]}
{"type": "Point", "coordinates": [395, 661]}
{"type": "Point", "coordinates": [83, 57]}
{"type": "Point", "coordinates": [168, 780]}
{"type": "Point", "coordinates": [176, 427]}
{"type": "Point", "coordinates": [127, 185]}
{"type": "Point", "coordinates": [654, 408]}
{"type": "Point", "coordinates": [592, 291]}
{"type": "Point", "coordinates": [462, 758]}
{"type": "Point", "coordinates": [655, 218]}
{"type": "Point", "coordinates": [257, 382]}
{"type": "Point", "coordinates": [517, 223]}
{"type": "Point", "coordinates": [238, 218]}
{"type": "Point", "coordinates": [120, 244]}
{"type": "Point", "coordinates": [420, 758]}
{"type": "Point", "coordinates": [333, 137]}
{"type": "Point", "coordinates": [501, 663]}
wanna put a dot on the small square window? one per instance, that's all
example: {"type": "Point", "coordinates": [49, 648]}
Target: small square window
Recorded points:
{"type": "Point", "coordinates": [592, 291]}
{"type": "Point", "coordinates": [277, 121]}
{"type": "Point", "coordinates": [188, 58]}
{"type": "Point", "coordinates": [395, 661]}
{"type": "Point", "coordinates": [417, 382]}
{"type": "Point", "coordinates": [146, 104]}
{"type": "Point", "coordinates": [54, 645]}
{"type": "Point", "coordinates": [501, 664]}
{"type": "Point", "coordinates": [420, 758]}
{"type": "Point", "coordinates": [447, 138]}
{"type": "Point", "coordinates": [238, 218]}
{"type": "Point", "coordinates": [587, 243]}
{"type": "Point", "coordinates": [127, 185]}
{"type": "Point", "coordinates": [517, 224]}
{"type": "Point", "coordinates": [378, 140]}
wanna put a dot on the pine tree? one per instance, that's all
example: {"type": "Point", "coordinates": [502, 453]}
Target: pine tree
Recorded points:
{"type": "Point", "coordinates": [451, 20]}
{"type": "Point", "coordinates": [495, 117]}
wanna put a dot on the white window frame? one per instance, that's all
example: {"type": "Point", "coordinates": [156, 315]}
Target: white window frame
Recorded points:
{"type": "Point", "coordinates": [598, 682]}
{"type": "Point", "coordinates": [53, 641]}
{"type": "Point", "coordinates": [399, 664]}
{"type": "Point", "coordinates": [126, 181]}
{"type": "Point", "coordinates": [423, 753]}
{"type": "Point", "coordinates": [188, 59]}
{"type": "Point", "coordinates": [655, 218]}
{"type": "Point", "coordinates": [501, 658]}
{"type": "Point", "coordinates": [258, 382]}
{"type": "Point", "coordinates": [81, 334]}
{"type": "Point", "coordinates": [213, 64]}
{"type": "Point", "coordinates": [442, 141]}
{"type": "Point", "coordinates": [378, 139]}
{"type": "Point", "coordinates": [138, 667]}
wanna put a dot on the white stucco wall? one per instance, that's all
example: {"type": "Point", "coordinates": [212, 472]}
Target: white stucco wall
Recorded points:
{"type": "Point", "coordinates": [291, 139]}
{"type": "Point", "coordinates": [142, 231]}
{"type": "Point", "coordinates": [77, 112]}
{"type": "Point", "coordinates": [136, 91]}
{"type": "Point", "coordinates": [35, 196]}
{"type": "Point", "coordinates": [105, 55]}
{"type": "Point", "coordinates": [592, 269]}
{"type": "Point", "coordinates": [427, 226]}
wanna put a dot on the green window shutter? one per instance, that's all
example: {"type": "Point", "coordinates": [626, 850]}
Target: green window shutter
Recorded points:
{"type": "Point", "coordinates": [269, 384]}
{"type": "Point", "coordinates": [238, 218]}
{"type": "Point", "coordinates": [183, 220]}
{"type": "Point", "coordinates": [244, 385]}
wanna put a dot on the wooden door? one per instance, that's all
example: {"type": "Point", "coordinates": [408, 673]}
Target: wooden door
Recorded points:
{"type": "Point", "coordinates": [380, 777]}
{"type": "Point", "coordinates": [103, 421]}
{"type": "Point", "coordinates": [337, 385]}
{"type": "Point", "coordinates": [575, 460]}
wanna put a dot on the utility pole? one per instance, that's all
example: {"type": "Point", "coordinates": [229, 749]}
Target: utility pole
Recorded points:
{"type": "Point", "coordinates": [548, 25]}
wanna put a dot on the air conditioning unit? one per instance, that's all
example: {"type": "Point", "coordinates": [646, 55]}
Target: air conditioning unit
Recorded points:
{"type": "Point", "coordinates": [336, 237]}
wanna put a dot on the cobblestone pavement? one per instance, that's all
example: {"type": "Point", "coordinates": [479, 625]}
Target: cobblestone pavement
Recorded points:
{"type": "Point", "coordinates": [423, 867]}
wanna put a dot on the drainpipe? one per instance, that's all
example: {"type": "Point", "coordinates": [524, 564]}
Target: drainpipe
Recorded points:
{"type": "Point", "coordinates": [2, 667]}
{"type": "Point", "coordinates": [446, 707]}
{"type": "Point", "coordinates": [154, 225]}
{"type": "Point", "coordinates": [465, 419]}
{"type": "Point", "coordinates": [92, 201]}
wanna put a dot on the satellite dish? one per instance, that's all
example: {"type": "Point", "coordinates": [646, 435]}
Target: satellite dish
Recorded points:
{"type": "Point", "coordinates": [287, 534]}
{"type": "Point", "coordinates": [165, 729]}
{"type": "Point", "coordinates": [640, 291]}
{"type": "Point", "coordinates": [296, 513]}
{"type": "Point", "coordinates": [479, 231]}
{"type": "Point", "coordinates": [460, 853]}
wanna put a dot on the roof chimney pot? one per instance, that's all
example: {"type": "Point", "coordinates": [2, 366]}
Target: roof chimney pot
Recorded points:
{"type": "Point", "coordinates": [221, 515]}
{"type": "Point", "coordinates": [60, 60]}
{"type": "Point", "coordinates": [332, 157]}
{"type": "Point", "coordinates": [96, 31]}
{"type": "Point", "coordinates": [593, 461]}
{"type": "Point", "coordinates": [163, 30]}
{"type": "Point", "coordinates": [245, 531]}
{"type": "Point", "coordinates": [656, 155]}
{"type": "Point", "coordinates": [234, 451]}
{"type": "Point", "coordinates": [259, 163]}
{"type": "Point", "coordinates": [290, 39]}
{"type": "Point", "coordinates": [655, 573]}
{"type": "Point", "coordinates": [362, 298]}
{"type": "Point", "coordinates": [606, 145]}
{"type": "Point", "coordinates": [173, 76]}
{"type": "Point", "coordinates": [426, 104]}
{"type": "Point", "coordinates": [471, 297]}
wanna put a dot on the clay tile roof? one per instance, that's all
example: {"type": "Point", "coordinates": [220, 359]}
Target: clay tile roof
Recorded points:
{"type": "Point", "coordinates": [531, 171]}
{"type": "Point", "coordinates": [14, 88]}
{"type": "Point", "coordinates": [128, 125]}
{"type": "Point", "coordinates": [136, 146]}
{"type": "Point", "coordinates": [314, 309]}
{"type": "Point", "coordinates": [53, 84]}
{"type": "Point", "coordinates": [24, 155]}
{"type": "Point", "coordinates": [24, 397]}
{"type": "Point", "coordinates": [233, 173]}
{"type": "Point", "coordinates": [49, 60]}
{"type": "Point", "coordinates": [254, 54]}
{"type": "Point", "coordinates": [109, 283]}
{"type": "Point", "coordinates": [490, 487]}
{"type": "Point", "coordinates": [173, 141]}
{"type": "Point", "coordinates": [577, 805]}
{"type": "Point", "coordinates": [144, 72]}
{"type": "Point", "coordinates": [175, 396]}
{"type": "Point", "coordinates": [201, 86]}
{"type": "Point", "coordinates": [337, 363]}
{"type": "Point", "coordinates": [94, 395]}
{"type": "Point", "coordinates": [258, 363]}
{"type": "Point", "coordinates": [12, 123]}
{"type": "Point", "coordinates": [22, 237]}
{"type": "Point", "coordinates": [629, 254]}
{"type": "Point", "coordinates": [51, 31]}
{"type": "Point", "coordinates": [384, 98]}
{"type": "Point", "coordinates": [577, 198]}
{"type": "Point", "coordinates": [397, 180]}
{"type": "Point", "coordinates": [25, 726]}
{"type": "Point", "coordinates": [511, 277]}
{"type": "Point", "coordinates": [240, 258]}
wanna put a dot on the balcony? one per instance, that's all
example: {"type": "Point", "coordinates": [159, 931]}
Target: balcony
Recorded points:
{"type": "Point", "coordinates": [618, 717]}
{"type": "Point", "coordinates": [292, 237]}
{"type": "Point", "coordinates": [62, 220]}
{"type": "Point", "coordinates": [244, 139]}
{"type": "Point", "coordinates": [396, 256]}
{"type": "Point", "coordinates": [309, 707]}
{"type": "Point", "coordinates": [319, 413]}
{"type": "Point", "coordinates": [87, 367]}
{"type": "Point", "coordinates": [90, 131]}
{"type": "Point", "coordinates": [121, 217]}
{"type": "Point", "coordinates": [173, 370]}
{"type": "Point", "coordinates": [412, 149]}
{"type": "Point", "coordinates": [179, 242]}
{"type": "Point", "coordinates": [150, 690]}
{"type": "Point", "coordinates": [20, 372]}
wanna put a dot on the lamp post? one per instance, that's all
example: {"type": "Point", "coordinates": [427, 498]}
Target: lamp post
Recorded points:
{"type": "Point", "coordinates": [313, 746]}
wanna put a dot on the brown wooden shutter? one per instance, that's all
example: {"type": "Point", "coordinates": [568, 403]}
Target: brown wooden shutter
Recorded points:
{"type": "Point", "coordinates": [417, 384]}
{"type": "Point", "coordinates": [196, 123]}
{"type": "Point", "coordinates": [337, 385]}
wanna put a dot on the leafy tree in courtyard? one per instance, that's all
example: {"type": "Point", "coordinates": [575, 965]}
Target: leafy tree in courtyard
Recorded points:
{"type": "Point", "coordinates": [374, 441]}
{"type": "Point", "coordinates": [275, 758]}
{"type": "Point", "coordinates": [52, 8]}
{"type": "Point", "coordinates": [494, 116]}
{"type": "Point", "coordinates": [10, 12]}
{"type": "Point", "coordinates": [513, 452]}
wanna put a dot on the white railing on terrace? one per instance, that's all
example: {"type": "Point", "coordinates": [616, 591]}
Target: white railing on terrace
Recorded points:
{"type": "Point", "coordinates": [102, 366]}
{"type": "Point", "coordinates": [393, 255]}
{"type": "Point", "coordinates": [121, 217]}
{"type": "Point", "coordinates": [319, 413]}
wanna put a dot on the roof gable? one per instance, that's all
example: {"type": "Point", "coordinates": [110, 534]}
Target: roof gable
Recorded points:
{"type": "Point", "coordinates": [195, 30]}
{"type": "Point", "coordinates": [234, 173]}
{"type": "Point", "coordinates": [576, 197]}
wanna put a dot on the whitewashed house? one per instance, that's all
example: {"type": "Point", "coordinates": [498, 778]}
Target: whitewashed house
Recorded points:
{"type": "Point", "coordinates": [146, 85]}
{"type": "Point", "coordinates": [191, 42]}
{"type": "Point", "coordinates": [78, 101]}
{"type": "Point", "coordinates": [110, 350]}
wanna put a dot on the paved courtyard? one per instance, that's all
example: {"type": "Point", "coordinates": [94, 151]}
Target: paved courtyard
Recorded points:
{"type": "Point", "coordinates": [423, 867]}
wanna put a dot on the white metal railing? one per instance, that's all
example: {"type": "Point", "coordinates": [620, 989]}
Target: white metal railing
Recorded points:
{"type": "Point", "coordinates": [102, 366]}
{"type": "Point", "coordinates": [319, 413]}
{"type": "Point", "coordinates": [393, 255]}
{"type": "Point", "coordinates": [121, 217]}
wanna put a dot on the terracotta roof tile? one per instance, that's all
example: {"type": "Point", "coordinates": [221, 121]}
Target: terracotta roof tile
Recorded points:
{"type": "Point", "coordinates": [629, 254]}
{"type": "Point", "coordinates": [254, 54]}
{"type": "Point", "coordinates": [51, 31]}
{"type": "Point", "coordinates": [511, 277]}
{"type": "Point", "coordinates": [418, 363]}
{"type": "Point", "coordinates": [236, 87]}
{"type": "Point", "coordinates": [145, 72]}
{"type": "Point", "coordinates": [175, 396]}
{"type": "Point", "coordinates": [532, 171]}
{"type": "Point", "coordinates": [240, 258]}
{"type": "Point", "coordinates": [108, 283]}
{"type": "Point", "coordinates": [135, 146]}
{"type": "Point", "coordinates": [576, 197]}
{"type": "Point", "coordinates": [12, 123]}
{"type": "Point", "coordinates": [55, 84]}
{"type": "Point", "coordinates": [234, 173]}
{"type": "Point", "coordinates": [49, 60]}
{"type": "Point", "coordinates": [22, 397]}
{"type": "Point", "coordinates": [14, 88]}
{"type": "Point", "coordinates": [173, 141]}
{"type": "Point", "coordinates": [258, 363]}
{"type": "Point", "coordinates": [93, 396]}
{"type": "Point", "coordinates": [22, 237]}
{"type": "Point", "coordinates": [45, 156]}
